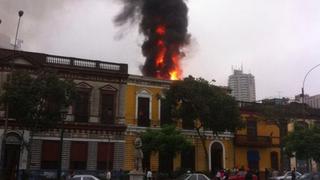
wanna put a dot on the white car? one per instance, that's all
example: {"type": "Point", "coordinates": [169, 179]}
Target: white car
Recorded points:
{"type": "Point", "coordinates": [84, 177]}
{"type": "Point", "coordinates": [193, 176]}
{"type": "Point", "coordinates": [286, 176]}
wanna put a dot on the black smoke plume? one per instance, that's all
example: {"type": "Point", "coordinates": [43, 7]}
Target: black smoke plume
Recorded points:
{"type": "Point", "coordinates": [150, 14]}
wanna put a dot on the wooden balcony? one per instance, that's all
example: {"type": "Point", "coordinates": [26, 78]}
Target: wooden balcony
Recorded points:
{"type": "Point", "coordinates": [257, 141]}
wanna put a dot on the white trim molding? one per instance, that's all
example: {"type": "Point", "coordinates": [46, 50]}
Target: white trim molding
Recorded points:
{"type": "Point", "coordinates": [145, 94]}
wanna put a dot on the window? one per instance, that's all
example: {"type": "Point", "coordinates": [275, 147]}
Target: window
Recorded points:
{"type": "Point", "coordinates": [50, 155]}
{"type": "Point", "coordinates": [164, 117]}
{"type": "Point", "coordinates": [192, 177]}
{"type": "Point", "coordinates": [105, 156]}
{"type": "Point", "coordinates": [252, 129]}
{"type": "Point", "coordinates": [165, 163]}
{"type": "Point", "coordinates": [107, 107]}
{"type": "Point", "coordinates": [201, 177]}
{"type": "Point", "coordinates": [88, 178]}
{"type": "Point", "coordinates": [188, 159]}
{"type": "Point", "coordinates": [143, 111]}
{"type": "Point", "coordinates": [188, 124]}
{"type": "Point", "coordinates": [81, 106]}
{"type": "Point", "coordinates": [78, 155]}
{"type": "Point", "coordinates": [146, 161]}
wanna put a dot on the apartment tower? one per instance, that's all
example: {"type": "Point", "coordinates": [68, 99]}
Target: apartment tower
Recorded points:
{"type": "Point", "coordinates": [242, 86]}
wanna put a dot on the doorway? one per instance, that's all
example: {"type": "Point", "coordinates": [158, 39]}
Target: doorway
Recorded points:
{"type": "Point", "coordinates": [11, 156]}
{"type": "Point", "coordinates": [216, 157]}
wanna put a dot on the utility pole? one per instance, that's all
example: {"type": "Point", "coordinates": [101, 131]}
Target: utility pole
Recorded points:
{"type": "Point", "coordinates": [63, 115]}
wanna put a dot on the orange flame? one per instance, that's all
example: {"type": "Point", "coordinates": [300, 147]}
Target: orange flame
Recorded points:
{"type": "Point", "coordinates": [173, 75]}
{"type": "Point", "coordinates": [161, 30]}
{"type": "Point", "coordinates": [161, 53]}
{"type": "Point", "coordinates": [175, 72]}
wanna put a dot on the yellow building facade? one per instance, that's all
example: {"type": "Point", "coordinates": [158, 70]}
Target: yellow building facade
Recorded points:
{"type": "Point", "coordinates": [257, 146]}
{"type": "Point", "coordinates": [143, 110]}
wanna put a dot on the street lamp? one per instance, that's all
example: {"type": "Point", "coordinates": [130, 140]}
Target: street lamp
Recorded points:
{"type": "Point", "coordinates": [63, 115]}
{"type": "Point", "coordinates": [20, 13]}
{"type": "Point", "coordinates": [303, 98]}
{"type": "Point", "coordinates": [3, 147]}
{"type": "Point", "coordinates": [304, 80]}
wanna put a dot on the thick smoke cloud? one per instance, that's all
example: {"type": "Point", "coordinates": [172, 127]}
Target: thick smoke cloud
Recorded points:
{"type": "Point", "coordinates": [150, 14]}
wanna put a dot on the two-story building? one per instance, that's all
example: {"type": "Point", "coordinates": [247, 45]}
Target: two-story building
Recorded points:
{"type": "Point", "coordinates": [144, 110]}
{"type": "Point", "coordinates": [94, 127]}
{"type": "Point", "coordinates": [257, 146]}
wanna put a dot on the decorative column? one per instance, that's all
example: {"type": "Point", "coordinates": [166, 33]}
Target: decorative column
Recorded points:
{"type": "Point", "coordinates": [121, 104]}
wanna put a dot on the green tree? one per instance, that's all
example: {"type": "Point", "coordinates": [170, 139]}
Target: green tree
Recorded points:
{"type": "Point", "coordinates": [198, 102]}
{"type": "Point", "coordinates": [35, 101]}
{"type": "Point", "coordinates": [304, 142]}
{"type": "Point", "coordinates": [281, 114]}
{"type": "Point", "coordinates": [167, 141]}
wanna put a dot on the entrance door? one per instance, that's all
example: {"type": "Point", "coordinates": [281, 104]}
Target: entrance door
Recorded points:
{"type": "Point", "coordinates": [253, 160]}
{"type": "Point", "coordinates": [216, 157]}
{"type": "Point", "coordinates": [11, 160]}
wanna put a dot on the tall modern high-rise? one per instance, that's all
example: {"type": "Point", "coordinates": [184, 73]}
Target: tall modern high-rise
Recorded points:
{"type": "Point", "coordinates": [242, 86]}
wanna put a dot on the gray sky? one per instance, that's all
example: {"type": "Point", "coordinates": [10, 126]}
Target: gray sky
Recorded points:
{"type": "Point", "coordinates": [277, 41]}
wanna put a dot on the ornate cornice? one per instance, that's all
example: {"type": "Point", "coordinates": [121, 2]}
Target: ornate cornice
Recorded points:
{"type": "Point", "coordinates": [66, 67]}
{"type": "Point", "coordinates": [148, 81]}
{"type": "Point", "coordinates": [189, 133]}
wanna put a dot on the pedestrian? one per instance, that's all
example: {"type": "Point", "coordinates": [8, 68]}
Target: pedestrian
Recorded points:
{"type": "Point", "coordinates": [266, 173]}
{"type": "Point", "coordinates": [226, 175]}
{"type": "Point", "coordinates": [70, 175]}
{"type": "Point", "coordinates": [218, 175]}
{"type": "Point", "coordinates": [108, 175]}
{"type": "Point", "coordinates": [149, 175]}
{"type": "Point", "coordinates": [293, 174]}
{"type": "Point", "coordinates": [121, 174]}
{"type": "Point", "coordinates": [249, 175]}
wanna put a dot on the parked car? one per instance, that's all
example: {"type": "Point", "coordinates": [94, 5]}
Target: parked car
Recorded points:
{"type": "Point", "coordinates": [193, 176]}
{"type": "Point", "coordinates": [286, 176]}
{"type": "Point", "coordinates": [310, 176]}
{"type": "Point", "coordinates": [241, 176]}
{"type": "Point", "coordinates": [84, 177]}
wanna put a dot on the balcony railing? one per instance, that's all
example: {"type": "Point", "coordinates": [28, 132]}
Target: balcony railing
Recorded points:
{"type": "Point", "coordinates": [83, 63]}
{"type": "Point", "coordinates": [257, 141]}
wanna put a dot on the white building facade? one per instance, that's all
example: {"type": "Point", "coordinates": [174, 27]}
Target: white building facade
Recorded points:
{"type": "Point", "coordinates": [312, 101]}
{"type": "Point", "coordinates": [242, 86]}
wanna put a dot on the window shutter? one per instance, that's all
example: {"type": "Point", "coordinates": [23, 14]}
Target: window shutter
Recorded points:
{"type": "Point", "coordinates": [50, 151]}
{"type": "Point", "coordinates": [79, 151]}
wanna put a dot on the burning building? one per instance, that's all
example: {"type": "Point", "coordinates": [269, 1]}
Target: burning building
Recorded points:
{"type": "Point", "coordinates": [164, 24]}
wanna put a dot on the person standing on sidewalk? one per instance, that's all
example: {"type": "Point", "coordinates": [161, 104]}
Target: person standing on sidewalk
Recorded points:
{"type": "Point", "coordinates": [149, 175]}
